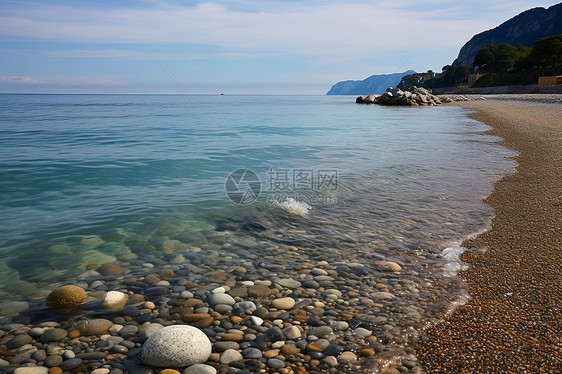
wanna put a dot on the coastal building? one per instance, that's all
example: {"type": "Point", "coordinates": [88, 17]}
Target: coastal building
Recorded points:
{"type": "Point", "coordinates": [550, 80]}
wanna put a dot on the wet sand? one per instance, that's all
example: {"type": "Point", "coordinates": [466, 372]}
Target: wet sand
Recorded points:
{"type": "Point", "coordinates": [513, 322]}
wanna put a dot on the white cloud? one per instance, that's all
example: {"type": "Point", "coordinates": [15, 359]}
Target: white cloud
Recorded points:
{"type": "Point", "coordinates": [98, 53]}
{"type": "Point", "coordinates": [102, 83]}
{"type": "Point", "coordinates": [19, 80]}
{"type": "Point", "coordinates": [309, 27]}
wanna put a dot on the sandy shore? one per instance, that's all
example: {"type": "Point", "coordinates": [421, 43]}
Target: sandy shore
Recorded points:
{"type": "Point", "coordinates": [513, 322]}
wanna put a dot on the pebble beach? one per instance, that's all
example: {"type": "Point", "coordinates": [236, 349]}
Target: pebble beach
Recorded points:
{"type": "Point", "coordinates": [512, 322]}
{"type": "Point", "coordinates": [275, 293]}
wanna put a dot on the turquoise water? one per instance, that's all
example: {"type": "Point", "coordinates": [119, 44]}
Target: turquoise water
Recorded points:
{"type": "Point", "coordinates": [88, 179]}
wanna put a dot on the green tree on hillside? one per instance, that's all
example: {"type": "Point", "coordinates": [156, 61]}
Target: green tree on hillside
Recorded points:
{"type": "Point", "coordinates": [497, 59]}
{"type": "Point", "coordinates": [547, 52]}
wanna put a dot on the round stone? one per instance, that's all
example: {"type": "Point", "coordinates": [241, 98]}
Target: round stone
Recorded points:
{"type": "Point", "coordinates": [97, 326]}
{"type": "Point", "coordinates": [53, 360]}
{"type": "Point", "coordinates": [275, 363]}
{"type": "Point", "coordinates": [283, 303]}
{"type": "Point", "coordinates": [289, 283]}
{"type": "Point", "coordinates": [176, 346]}
{"type": "Point", "coordinates": [347, 356]}
{"type": "Point", "coordinates": [71, 364]}
{"type": "Point", "coordinates": [388, 266]}
{"type": "Point", "coordinates": [32, 370]}
{"type": "Point", "coordinates": [67, 297]}
{"type": "Point", "coordinates": [53, 335]}
{"type": "Point", "coordinates": [251, 353]}
{"type": "Point", "coordinates": [200, 369]}
{"type": "Point", "coordinates": [109, 269]}
{"type": "Point", "coordinates": [221, 298]}
{"type": "Point", "coordinates": [114, 300]}
{"type": "Point", "coordinates": [18, 341]}
{"type": "Point", "coordinates": [229, 356]}
{"type": "Point", "coordinates": [320, 331]}
{"type": "Point", "coordinates": [292, 332]}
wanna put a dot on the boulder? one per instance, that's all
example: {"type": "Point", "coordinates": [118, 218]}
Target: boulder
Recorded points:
{"type": "Point", "coordinates": [176, 346]}
{"type": "Point", "coordinates": [67, 297]}
{"type": "Point", "coordinates": [395, 96]}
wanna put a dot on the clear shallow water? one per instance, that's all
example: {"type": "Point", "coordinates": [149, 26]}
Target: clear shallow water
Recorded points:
{"type": "Point", "coordinates": [89, 179]}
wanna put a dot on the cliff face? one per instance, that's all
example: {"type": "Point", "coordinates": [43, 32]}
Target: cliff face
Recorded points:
{"type": "Point", "coordinates": [524, 28]}
{"type": "Point", "coordinates": [375, 84]}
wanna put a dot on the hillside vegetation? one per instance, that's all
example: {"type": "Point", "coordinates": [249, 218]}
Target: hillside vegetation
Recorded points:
{"type": "Point", "coordinates": [502, 65]}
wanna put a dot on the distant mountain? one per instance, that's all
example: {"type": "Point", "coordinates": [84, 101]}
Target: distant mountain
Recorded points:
{"type": "Point", "coordinates": [375, 84]}
{"type": "Point", "coordinates": [524, 28]}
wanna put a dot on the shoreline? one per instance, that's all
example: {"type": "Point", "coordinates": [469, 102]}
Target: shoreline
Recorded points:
{"type": "Point", "coordinates": [512, 323]}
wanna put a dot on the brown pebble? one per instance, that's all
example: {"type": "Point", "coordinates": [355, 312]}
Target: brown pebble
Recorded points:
{"type": "Point", "coordinates": [55, 370]}
{"type": "Point", "coordinates": [219, 275]}
{"type": "Point", "coordinates": [191, 303]}
{"type": "Point", "coordinates": [236, 319]}
{"type": "Point", "coordinates": [67, 297]}
{"type": "Point", "coordinates": [232, 337]}
{"type": "Point", "coordinates": [367, 352]}
{"type": "Point", "coordinates": [259, 290]}
{"type": "Point", "coordinates": [371, 339]}
{"type": "Point", "coordinates": [289, 349]}
{"type": "Point", "coordinates": [152, 278]}
{"type": "Point", "coordinates": [109, 269]}
{"type": "Point", "coordinates": [271, 353]}
{"type": "Point", "coordinates": [73, 334]}
{"type": "Point", "coordinates": [113, 356]}
{"type": "Point", "coordinates": [312, 347]}
{"type": "Point", "coordinates": [194, 317]}
{"type": "Point", "coordinates": [214, 357]}
{"type": "Point", "coordinates": [166, 274]}
{"type": "Point", "coordinates": [315, 362]}
{"type": "Point", "coordinates": [169, 371]}
{"type": "Point", "coordinates": [204, 323]}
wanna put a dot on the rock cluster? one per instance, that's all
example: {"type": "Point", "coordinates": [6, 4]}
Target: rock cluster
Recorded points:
{"type": "Point", "coordinates": [395, 96]}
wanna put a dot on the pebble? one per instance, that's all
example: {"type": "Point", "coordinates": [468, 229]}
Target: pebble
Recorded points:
{"type": "Point", "coordinates": [347, 357]}
{"type": "Point", "coordinates": [200, 369]}
{"type": "Point", "coordinates": [167, 347]}
{"type": "Point", "coordinates": [53, 335]}
{"type": "Point", "coordinates": [289, 283]}
{"type": "Point", "coordinates": [221, 298]}
{"type": "Point", "coordinates": [53, 360]}
{"type": "Point", "coordinates": [114, 300]}
{"type": "Point", "coordinates": [251, 353]}
{"type": "Point", "coordinates": [230, 355]}
{"type": "Point", "coordinates": [31, 370]}
{"type": "Point", "coordinates": [96, 326]}
{"type": "Point", "coordinates": [100, 371]}
{"type": "Point", "coordinates": [275, 363]}
{"type": "Point", "coordinates": [67, 297]}
{"type": "Point", "coordinates": [18, 341]}
{"type": "Point", "coordinates": [387, 266]}
{"type": "Point", "coordinates": [320, 331]}
{"type": "Point", "coordinates": [71, 364]}
{"type": "Point", "coordinates": [284, 303]}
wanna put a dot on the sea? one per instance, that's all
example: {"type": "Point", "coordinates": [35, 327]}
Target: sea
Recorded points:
{"type": "Point", "coordinates": [264, 182]}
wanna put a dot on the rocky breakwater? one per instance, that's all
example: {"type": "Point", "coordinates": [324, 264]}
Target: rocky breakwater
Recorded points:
{"type": "Point", "coordinates": [394, 96]}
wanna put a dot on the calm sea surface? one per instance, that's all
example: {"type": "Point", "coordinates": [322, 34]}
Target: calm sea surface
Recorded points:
{"type": "Point", "coordinates": [131, 179]}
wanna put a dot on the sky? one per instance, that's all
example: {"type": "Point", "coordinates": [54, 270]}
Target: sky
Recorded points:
{"type": "Point", "coordinates": [231, 46]}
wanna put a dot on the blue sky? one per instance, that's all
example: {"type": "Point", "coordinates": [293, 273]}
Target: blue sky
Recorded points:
{"type": "Point", "coordinates": [231, 46]}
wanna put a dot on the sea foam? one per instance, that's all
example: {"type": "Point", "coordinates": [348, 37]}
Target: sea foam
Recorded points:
{"type": "Point", "coordinates": [453, 263]}
{"type": "Point", "coordinates": [294, 206]}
